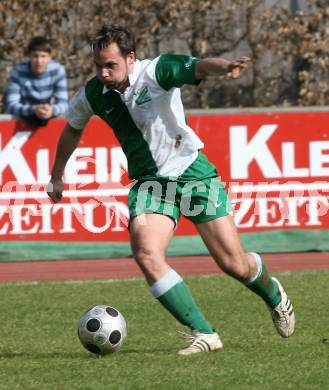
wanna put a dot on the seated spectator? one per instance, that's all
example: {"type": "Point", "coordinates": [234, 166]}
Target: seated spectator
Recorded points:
{"type": "Point", "coordinates": [37, 89]}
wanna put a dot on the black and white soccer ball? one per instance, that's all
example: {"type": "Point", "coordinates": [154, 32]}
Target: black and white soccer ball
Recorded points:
{"type": "Point", "coordinates": [102, 329]}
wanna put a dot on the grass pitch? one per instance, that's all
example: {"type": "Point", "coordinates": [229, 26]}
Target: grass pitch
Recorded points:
{"type": "Point", "coordinates": [39, 348]}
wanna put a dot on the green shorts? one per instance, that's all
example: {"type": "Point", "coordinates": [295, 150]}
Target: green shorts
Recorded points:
{"type": "Point", "coordinates": [198, 194]}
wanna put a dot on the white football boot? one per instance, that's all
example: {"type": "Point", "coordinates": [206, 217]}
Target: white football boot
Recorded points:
{"type": "Point", "coordinates": [201, 342]}
{"type": "Point", "coordinates": [283, 315]}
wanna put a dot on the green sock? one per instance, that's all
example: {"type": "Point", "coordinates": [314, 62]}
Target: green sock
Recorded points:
{"type": "Point", "coordinates": [177, 298]}
{"type": "Point", "coordinates": [263, 285]}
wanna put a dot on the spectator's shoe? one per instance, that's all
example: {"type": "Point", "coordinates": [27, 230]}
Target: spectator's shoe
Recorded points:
{"type": "Point", "coordinates": [201, 342]}
{"type": "Point", "coordinates": [283, 315]}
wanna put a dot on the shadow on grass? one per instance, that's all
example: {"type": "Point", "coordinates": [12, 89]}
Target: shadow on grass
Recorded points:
{"type": "Point", "coordinates": [147, 351]}
{"type": "Point", "coordinates": [41, 355]}
{"type": "Point", "coordinates": [79, 355]}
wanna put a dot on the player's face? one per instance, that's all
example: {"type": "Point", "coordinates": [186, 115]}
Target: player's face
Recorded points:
{"type": "Point", "coordinates": [112, 67]}
{"type": "Point", "coordinates": [39, 61]}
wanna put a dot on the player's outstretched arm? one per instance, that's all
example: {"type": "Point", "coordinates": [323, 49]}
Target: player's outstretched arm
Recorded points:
{"type": "Point", "coordinates": [220, 66]}
{"type": "Point", "coordinates": [67, 143]}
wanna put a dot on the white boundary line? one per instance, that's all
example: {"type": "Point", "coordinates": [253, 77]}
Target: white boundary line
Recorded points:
{"type": "Point", "coordinates": [135, 279]}
{"type": "Point", "coordinates": [70, 281]}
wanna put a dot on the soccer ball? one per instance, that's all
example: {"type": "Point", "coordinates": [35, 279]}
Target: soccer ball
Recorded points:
{"type": "Point", "coordinates": [102, 329]}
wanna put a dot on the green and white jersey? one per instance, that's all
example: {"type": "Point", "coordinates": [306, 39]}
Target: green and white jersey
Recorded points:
{"type": "Point", "coordinates": [148, 118]}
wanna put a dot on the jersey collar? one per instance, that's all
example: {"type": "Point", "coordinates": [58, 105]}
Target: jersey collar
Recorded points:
{"type": "Point", "coordinates": [133, 76]}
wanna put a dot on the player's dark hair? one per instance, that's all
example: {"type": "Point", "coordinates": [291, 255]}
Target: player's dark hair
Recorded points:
{"type": "Point", "coordinates": [38, 44]}
{"type": "Point", "coordinates": [114, 33]}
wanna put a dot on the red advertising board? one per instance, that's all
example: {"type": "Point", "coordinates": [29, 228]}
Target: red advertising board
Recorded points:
{"type": "Point", "coordinates": [275, 167]}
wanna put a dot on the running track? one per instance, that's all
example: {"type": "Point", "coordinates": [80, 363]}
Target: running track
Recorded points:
{"type": "Point", "coordinates": [126, 268]}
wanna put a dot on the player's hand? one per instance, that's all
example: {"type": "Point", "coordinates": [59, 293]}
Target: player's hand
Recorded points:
{"type": "Point", "coordinates": [55, 190]}
{"type": "Point", "coordinates": [235, 67]}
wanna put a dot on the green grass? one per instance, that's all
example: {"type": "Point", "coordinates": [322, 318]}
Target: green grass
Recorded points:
{"type": "Point", "coordinates": [39, 348]}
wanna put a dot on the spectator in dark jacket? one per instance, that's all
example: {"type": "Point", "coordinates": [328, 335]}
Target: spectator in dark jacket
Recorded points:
{"type": "Point", "coordinates": [37, 89]}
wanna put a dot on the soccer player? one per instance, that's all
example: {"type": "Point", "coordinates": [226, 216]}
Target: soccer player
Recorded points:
{"type": "Point", "coordinates": [37, 89]}
{"type": "Point", "coordinates": [141, 102]}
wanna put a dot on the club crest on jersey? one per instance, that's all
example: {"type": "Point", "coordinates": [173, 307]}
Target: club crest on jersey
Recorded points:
{"type": "Point", "coordinates": [142, 96]}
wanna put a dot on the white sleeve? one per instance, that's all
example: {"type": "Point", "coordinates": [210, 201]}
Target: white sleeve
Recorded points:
{"type": "Point", "coordinates": [79, 110]}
